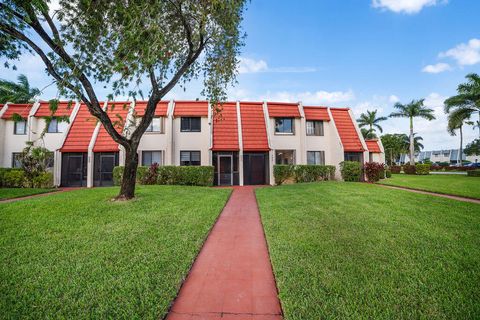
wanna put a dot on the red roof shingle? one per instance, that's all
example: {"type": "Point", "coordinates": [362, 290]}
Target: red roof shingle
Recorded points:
{"type": "Point", "coordinates": [117, 111]}
{"type": "Point", "coordinates": [225, 129]}
{"type": "Point", "coordinates": [22, 109]}
{"type": "Point", "coordinates": [373, 146]}
{"type": "Point", "coordinates": [190, 109]}
{"type": "Point", "coordinates": [316, 113]}
{"type": "Point", "coordinates": [346, 129]}
{"type": "Point", "coordinates": [160, 111]}
{"type": "Point", "coordinates": [81, 130]}
{"type": "Point", "coordinates": [279, 110]}
{"type": "Point", "coordinates": [254, 131]}
{"type": "Point", "coordinates": [64, 109]}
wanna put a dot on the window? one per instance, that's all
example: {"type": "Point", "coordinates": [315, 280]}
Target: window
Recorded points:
{"type": "Point", "coordinates": [353, 156]}
{"type": "Point", "coordinates": [49, 160]}
{"type": "Point", "coordinates": [284, 125]}
{"type": "Point", "coordinates": [316, 157]}
{"type": "Point", "coordinates": [314, 128]}
{"type": "Point", "coordinates": [57, 126]}
{"type": "Point", "coordinates": [189, 158]}
{"type": "Point", "coordinates": [155, 125]}
{"type": "Point", "coordinates": [190, 124]}
{"type": "Point", "coordinates": [151, 157]}
{"type": "Point", "coordinates": [20, 127]}
{"type": "Point", "coordinates": [284, 156]}
{"type": "Point", "coordinates": [16, 163]}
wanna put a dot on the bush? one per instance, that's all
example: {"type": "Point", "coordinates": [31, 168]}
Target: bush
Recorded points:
{"type": "Point", "coordinates": [3, 172]}
{"type": "Point", "coordinates": [374, 171]}
{"type": "Point", "coordinates": [422, 169]}
{"type": "Point", "coordinates": [351, 170]}
{"type": "Point", "coordinates": [282, 172]}
{"type": "Point", "coordinates": [409, 169]}
{"type": "Point", "coordinates": [43, 180]}
{"type": "Point", "coordinates": [189, 175]}
{"type": "Point", "coordinates": [117, 175]}
{"type": "Point", "coordinates": [312, 173]}
{"type": "Point", "coordinates": [14, 178]}
{"type": "Point", "coordinates": [473, 173]}
{"type": "Point", "coordinates": [388, 173]}
{"type": "Point", "coordinates": [395, 169]}
{"type": "Point", "coordinates": [142, 172]}
{"type": "Point", "coordinates": [151, 175]}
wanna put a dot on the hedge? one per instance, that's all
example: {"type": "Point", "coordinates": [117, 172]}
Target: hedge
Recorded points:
{"type": "Point", "coordinates": [374, 171]}
{"type": "Point", "coordinates": [13, 178]}
{"type": "Point", "coordinates": [395, 169]}
{"type": "Point", "coordinates": [409, 169]}
{"type": "Point", "coordinates": [302, 173]}
{"type": "Point", "coordinates": [388, 173]}
{"type": "Point", "coordinates": [172, 175]}
{"type": "Point", "coordinates": [282, 172]}
{"type": "Point", "coordinates": [473, 173]}
{"type": "Point", "coordinates": [351, 170]}
{"type": "Point", "coordinates": [422, 169]}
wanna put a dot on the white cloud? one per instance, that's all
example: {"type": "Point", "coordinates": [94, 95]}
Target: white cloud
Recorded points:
{"type": "Point", "coordinates": [464, 53]}
{"type": "Point", "coordinates": [308, 97]}
{"type": "Point", "coordinates": [405, 6]}
{"type": "Point", "coordinates": [437, 68]}
{"type": "Point", "coordinates": [248, 65]}
{"type": "Point", "coordinates": [393, 99]}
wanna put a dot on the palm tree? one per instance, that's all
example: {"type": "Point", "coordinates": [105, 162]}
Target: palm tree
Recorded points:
{"type": "Point", "coordinates": [456, 119]}
{"type": "Point", "coordinates": [19, 92]}
{"type": "Point", "coordinates": [414, 109]}
{"type": "Point", "coordinates": [417, 145]}
{"type": "Point", "coordinates": [467, 101]}
{"type": "Point", "coordinates": [370, 120]}
{"type": "Point", "coordinates": [368, 134]}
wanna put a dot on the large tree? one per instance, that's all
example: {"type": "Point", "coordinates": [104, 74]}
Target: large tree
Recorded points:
{"type": "Point", "coordinates": [19, 92]}
{"type": "Point", "coordinates": [467, 102]}
{"type": "Point", "coordinates": [394, 146]}
{"type": "Point", "coordinates": [125, 45]}
{"type": "Point", "coordinates": [370, 122]}
{"type": "Point", "coordinates": [414, 109]}
{"type": "Point", "coordinates": [473, 148]}
{"type": "Point", "coordinates": [456, 120]}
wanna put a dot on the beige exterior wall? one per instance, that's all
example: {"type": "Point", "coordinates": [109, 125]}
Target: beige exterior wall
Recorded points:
{"type": "Point", "coordinates": [11, 143]}
{"type": "Point", "coordinates": [191, 141]}
{"type": "Point", "coordinates": [156, 141]}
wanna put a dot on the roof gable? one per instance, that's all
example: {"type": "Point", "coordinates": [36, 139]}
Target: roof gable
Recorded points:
{"type": "Point", "coordinates": [283, 110]}
{"type": "Point", "coordinates": [64, 108]}
{"type": "Point", "coordinates": [373, 146]}
{"type": "Point", "coordinates": [190, 109]}
{"type": "Point", "coordinates": [254, 131]}
{"type": "Point", "coordinates": [81, 130]}
{"type": "Point", "coordinates": [346, 129]}
{"type": "Point", "coordinates": [316, 113]}
{"type": "Point", "coordinates": [225, 129]}
{"type": "Point", "coordinates": [22, 109]}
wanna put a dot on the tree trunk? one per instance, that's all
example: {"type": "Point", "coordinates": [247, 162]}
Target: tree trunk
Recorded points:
{"type": "Point", "coordinates": [127, 189]}
{"type": "Point", "coordinates": [461, 147]}
{"type": "Point", "coordinates": [412, 160]}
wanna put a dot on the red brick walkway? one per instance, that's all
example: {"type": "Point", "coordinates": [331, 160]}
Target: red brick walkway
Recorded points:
{"type": "Point", "coordinates": [232, 277]}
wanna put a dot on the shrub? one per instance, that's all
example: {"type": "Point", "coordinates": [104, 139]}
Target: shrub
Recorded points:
{"type": "Point", "coordinates": [312, 173]}
{"type": "Point", "coordinates": [142, 172]}
{"type": "Point", "coordinates": [188, 175]}
{"type": "Point", "coordinates": [409, 169]}
{"type": "Point", "coordinates": [282, 172]}
{"type": "Point", "coordinates": [395, 169]}
{"type": "Point", "coordinates": [3, 172]}
{"type": "Point", "coordinates": [118, 174]}
{"type": "Point", "coordinates": [422, 169]}
{"type": "Point", "coordinates": [43, 180]}
{"type": "Point", "coordinates": [351, 170]}
{"type": "Point", "coordinates": [150, 176]}
{"type": "Point", "coordinates": [374, 171]}
{"type": "Point", "coordinates": [14, 178]}
{"type": "Point", "coordinates": [473, 173]}
{"type": "Point", "coordinates": [388, 173]}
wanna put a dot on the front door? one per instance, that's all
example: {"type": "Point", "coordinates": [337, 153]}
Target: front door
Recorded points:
{"type": "Point", "coordinates": [254, 165]}
{"type": "Point", "coordinates": [74, 169]}
{"type": "Point", "coordinates": [107, 163]}
{"type": "Point", "coordinates": [225, 166]}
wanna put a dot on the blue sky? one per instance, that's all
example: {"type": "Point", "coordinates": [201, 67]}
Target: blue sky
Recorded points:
{"type": "Point", "coordinates": [364, 54]}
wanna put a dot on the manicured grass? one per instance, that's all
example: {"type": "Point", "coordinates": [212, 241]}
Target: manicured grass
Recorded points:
{"type": "Point", "coordinates": [78, 255]}
{"type": "Point", "coordinates": [359, 251]}
{"type": "Point", "coordinates": [10, 193]}
{"type": "Point", "coordinates": [455, 184]}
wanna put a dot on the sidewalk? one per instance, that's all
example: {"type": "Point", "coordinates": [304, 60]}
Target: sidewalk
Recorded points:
{"type": "Point", "coordinates": [232, 276]}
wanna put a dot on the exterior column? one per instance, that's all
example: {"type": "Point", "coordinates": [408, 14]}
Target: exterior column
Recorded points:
{"type": "Point", "coordinates": [170, 133]}
{"type": "Point", "coordinates": [271, 153]}
{"type": "Point", "coordinates": [91, 155]}
{"type": "Point", "coordinates": [240, 145]}
{"type": "Point", "coordinates": [303, 135]}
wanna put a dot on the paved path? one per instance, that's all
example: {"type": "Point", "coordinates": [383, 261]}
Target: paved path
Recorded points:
{"type": "Point", "coordinates": [448, 196]}
{"type": "Point", "coordinates": [232, 277]}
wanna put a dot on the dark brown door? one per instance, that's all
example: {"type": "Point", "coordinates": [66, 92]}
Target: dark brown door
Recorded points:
{"type": "Point", "coordinates": [254, 165]}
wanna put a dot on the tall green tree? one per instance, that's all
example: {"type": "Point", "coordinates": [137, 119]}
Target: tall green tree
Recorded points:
{"type": "Point", "coordinates": [473, 148]}
{"type": "Point", "coordinates": [467, 102]}
{"type": "Point", "coordinates": [456, 120]}
{"type": "Point", "coordinates": [417, 145]}
{"type": "Point", "coordinates": [414, 109]}
{"type": "Point", "coordinates": [19, 92]}
{"type": "Point", "coordinates": [370, 121]}
{"type": "Point", "coordinates": [394, 146]}
{"type": "Point", "coordinates": [124, 45]}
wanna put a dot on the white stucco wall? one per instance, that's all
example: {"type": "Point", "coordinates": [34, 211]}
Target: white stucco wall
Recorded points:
{"type": "Point", "coordinates": [156, 141]}
{"type": "Point", "coordinates": [287, 141]}
{"type": "Point", "coordinates": [11, 143]}
{"type": "Point", "coordinates": [191, 141]}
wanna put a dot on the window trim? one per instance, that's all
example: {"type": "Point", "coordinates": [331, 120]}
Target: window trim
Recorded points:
{"type": "Point", "coordinates": [24, 128]}
{"type": "Point", "coordinates": [190, 152]}
{"type": "Point", "coordinates": [284, 133]}
{"type": "Point", "coordinates": [161, 157]}
{"type": "Point", "coordinates": [162, 126]}
{"type": "Point", "coordinates": [320, 157]}
{"type": "Point", "coordinates": [283, 150]}
{"type": "Point", "coordinates": [13, 159]}
{"type": "Point", "coordinates": [190, 124]}
{"type": "Point", "coordinates": [322, 131]}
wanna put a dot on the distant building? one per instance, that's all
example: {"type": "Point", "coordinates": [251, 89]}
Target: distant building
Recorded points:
{"type": "Point", "coordinates": [450, 156]}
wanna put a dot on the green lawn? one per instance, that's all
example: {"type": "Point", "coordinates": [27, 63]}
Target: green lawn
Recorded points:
{"type": "Point", "coordinates": [10, 193]}
{"type": "Point", "coordinates": [78, 255]}
{"type": "Point", "coordinates": [359, 251]}
{"type": "Point", "coordinates": [455, 184]}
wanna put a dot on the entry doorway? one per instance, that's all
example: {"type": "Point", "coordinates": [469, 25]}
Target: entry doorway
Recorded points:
{"type": "Point", "coordinates": [74, 169]}
{"type": "Point", "coordinates": [255, 168]}
{"type": "Point", "coordinates": [103, 168]}
{"type": "Point", "coordinates": [225, 170]}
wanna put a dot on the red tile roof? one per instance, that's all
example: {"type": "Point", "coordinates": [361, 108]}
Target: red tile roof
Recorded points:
{"type": "Point", "coordinates": [316, 113]}
{"type": "Point", "coordinates": [225, 129]}
{"type": "Point", "coordinates": [190, 109]}
{"type": "Point", "coordinates": [80, 133]}
{"type": "Point", "coordinates": [117, 111]}
{"type": "Point", "coordinates": [254, 131]}
{"type": "Point", "coordinates": [64, 109]}
{"type": "Point", "coordinates": [346, 129]}
{"type": "Point", "coordinates": [22, 109]}
{"type": "Point", "coordinates": [160, 111]}
{"type": "Point", "coordinates": [373, 146]}
{"type": "Point", "coordinates": [278, 110]}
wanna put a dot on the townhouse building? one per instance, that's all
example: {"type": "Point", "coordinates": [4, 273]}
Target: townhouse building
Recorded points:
{"type": "Point", "coordinates": [243, 141]}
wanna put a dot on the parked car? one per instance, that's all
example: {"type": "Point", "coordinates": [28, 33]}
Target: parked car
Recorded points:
{"type": "Point", "coordinates": [473, 165]}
